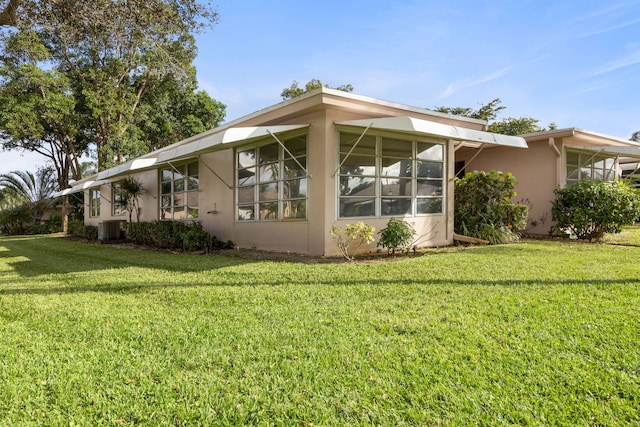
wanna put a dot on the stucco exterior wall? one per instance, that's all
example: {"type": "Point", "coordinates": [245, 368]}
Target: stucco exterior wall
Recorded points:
{"type": "Point", "coordinates": [536, 170]}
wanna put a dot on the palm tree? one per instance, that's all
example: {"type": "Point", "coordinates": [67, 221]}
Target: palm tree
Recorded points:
{"type": "Point", "coordinates": [35, 190]}
{"type": "Point", "coordinates": [131, 190]}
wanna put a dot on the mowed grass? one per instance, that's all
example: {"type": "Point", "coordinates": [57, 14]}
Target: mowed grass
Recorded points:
{"type": "Point", "coordinates": [535, 333]}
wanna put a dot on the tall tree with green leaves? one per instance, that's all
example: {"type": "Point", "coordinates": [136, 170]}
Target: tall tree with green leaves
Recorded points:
{"type": "Point", "coordinates": [115, 53]}
{"type": "Point", "coordinates": [490, 111]}
{"type": "Point", "coordinates": [295, 90]}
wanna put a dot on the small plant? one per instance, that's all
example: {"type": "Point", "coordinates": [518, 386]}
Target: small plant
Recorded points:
{"type": "Point", "coordinates": [352, 238]}
{"type": "Point", "coordinates": [397, 235]}
{"type": "Point", "coordinates": [590, 209]}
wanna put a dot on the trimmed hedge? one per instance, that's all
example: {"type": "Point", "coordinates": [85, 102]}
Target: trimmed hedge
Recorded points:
{"type": "Point", "coordinates": [175, 235]}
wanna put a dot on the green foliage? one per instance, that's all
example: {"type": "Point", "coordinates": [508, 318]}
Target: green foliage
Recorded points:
{"type": "Point", "coordinates": [76, 228]}
{"type": "Point", "coordinates": [130, 190]}
{"type": "Point", "coordinates": [15, 220]}
{"type": "Point", "coordinates": [352, 238]}
{"type": "Point", "coordinates": [483, 207]}
{"type": "Point", "coordinates": [174, 235]}
{"type": "Point", "coordinates": [397, 235]}
{"type": "Point", "coordinates": [591, 208]}
{"type": "Point", "coordinates": [516, 126]}
{"type": "Point", "coordinates": [294, 90]}
{"type": "Point", "coordinates": [486, 112]}
{"type": "Point", "coordinates": [33, 189]}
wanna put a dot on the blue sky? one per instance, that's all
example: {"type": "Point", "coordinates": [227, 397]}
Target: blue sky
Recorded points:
{"type": "Point", "coordinates": [573, 63]}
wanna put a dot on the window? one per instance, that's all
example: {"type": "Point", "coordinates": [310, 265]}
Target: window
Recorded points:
{"type": "Point", "coordinates": [94, 202]}
{"type": "Point", "coordinates": [118, 204]}
{"type": "Point", "coordinates": [588, 165]}
{"type": "Point", "coordinates": [271, 182]}
{"type": "Point", "coordinates": [179, 192]}
{"type": "Point", "coordinates": [385, 176]}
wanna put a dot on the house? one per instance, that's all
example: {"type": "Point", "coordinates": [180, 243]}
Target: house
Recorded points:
{"type": "Point", "coordinates": [555, 158]}
{"type": "Point", "coordinates": [280, 178]}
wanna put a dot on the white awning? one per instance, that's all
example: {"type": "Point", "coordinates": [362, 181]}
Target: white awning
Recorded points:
{"type": "Point", "coordinates": [615, 150]}
{"type": "Point", "coordinates": [228, 136]}
{"type": "Point", "coordinates": [425, 127]}
{"type": "Point", "coordinates": [80, 187]}
{"type": "Point", "coordinates": [130, 166]}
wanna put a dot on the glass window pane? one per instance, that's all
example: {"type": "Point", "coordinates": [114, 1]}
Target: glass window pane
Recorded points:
{"type": "Point", "coordinates": [585, 173]}
{"type": "Point", "coordinates": [178, 199]}
{"type": "Point", "coordinates": [246, 177]}
{"type": "Point", "coordinates": [395, 187]}
{"type": "Point", "coordinates": [165, 187]}
{"type": "Point", "coordinates": [268, 210]}
{"type": "Point", "coordinates": [429, 187]}
{"type": "Point", "coordinates": [192, 169]}
{"type": "Point", "coordinates": [246, 194]}
{"type": "Point", "coordinates": [179, 213]}
{"type": "Point", "coordinates": [269, 172]}
{"type": "Point", "coordinates": [350, 207]}
{"type": "Point", "coordinates": [167, 175]}
{"type": "Point", "coordinates": [192, 212]}
{"type": "Point", "coordinates": [429, 170]}
{"type": "Point", "coordinates": [178, 185]}
{"type": "Point", "coordinates": [246, 213]}
{"type": "Point", "coordinates": [397, 148]}
{"type": "Point", "coordinates": [268, 153]}
{"type": "Point", "coordinates": [268, 191]}
{"type": "Point", "coordinates": [429, 206]}
{"type": "Point", "coordinates": [294, 189]}
{"type": "Point", "coordinates": [357, 186]}
{"type": "Point", "coordinates": [165, 201]}
{"type": "Point", "coordinates": [296, 146]}
{"type": "Point", "coordinates": [572, 158]}
{"type": "Point", "coordinates": [192, 183]}
{"type": "Point", "coordinates": [598, 162]}
{"type": "Point", "coordinates": [358, 165]}
{"type": "Point", "coordinates": [572, 172]}
{"type": "Point", "coordinates": [192, 199]}
{"type": "Point", "coordinates": [165, 213]}
{"type": "Point", "coordinates": [392, 207]}
{"type": "Point", "coordinates": [246, 158]}
{"type": "Point", "coordinates": [428, 151]}
{"type": "Point", "coordinates": [295, 209]}
{"type": "Point", "coordinates": [367, 144]}
{"type": "Point", "coordinates": [291, 168]}
{"type": "Point", "coordinates": [395, 167]}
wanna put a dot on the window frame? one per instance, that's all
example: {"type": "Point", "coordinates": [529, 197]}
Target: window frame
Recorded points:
{"type": "Point", "coordinates": [183, 195]}
{"type": "Point", "coordinates": [118, 206]}
{"type": "Point", "coordinates": [94, 202]}
{"type": "Point", "coordinates": [263, 187]}
{"type": "Point", "coordinates": [588, 160]}
{"type": "Point", "coordinates": [377, 175]}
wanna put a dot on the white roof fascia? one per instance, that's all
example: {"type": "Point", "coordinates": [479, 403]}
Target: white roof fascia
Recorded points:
{"type": "Point", "coordinates": [222, 140]}
{"type": "Point", "coordinates": [130, 166]}
{"type": "Point", "coordinates": [624, 151]}
{"type": "Point", "coordinates": [76, 189]}
{"type": "Point", "coordinates": [425, 127]}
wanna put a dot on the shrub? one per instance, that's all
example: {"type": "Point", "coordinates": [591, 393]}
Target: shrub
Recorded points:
{"type": "Point", "coordinates": [37, 229]}
{"type": "Point", "coordinates": [483, 207]}
{"type": "Point", "coordinates": [352, 238]}
{"type": "Point", "coordinates": [175, 235]}
{"type": "Point", "coordinates": [76, 228]}
{"type": "Point", "coordinates": [54, 223]}
{"type": "Point", "coordinates": [591, 208]}
{"type": "Point", "coordinates": [14, 220]}
{"type": "Point", "coordinates": [398, 234]}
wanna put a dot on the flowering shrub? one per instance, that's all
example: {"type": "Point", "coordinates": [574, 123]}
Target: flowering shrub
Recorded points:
{"type": "Point", "coordinates": [352, 238]}
{"type": "Point", "coordinates": [591, 208]}
{"type": "Point", "coordinates": [483, 207]}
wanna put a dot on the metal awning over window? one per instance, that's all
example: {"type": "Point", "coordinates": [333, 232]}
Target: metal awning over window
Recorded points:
{"type": "Point", "coordinates": [613, 150]}
{"type": "Point", "coordinates": [223, 140]}
{"type": "Point", "coordinates": [441, 130]}
{"type": "Point", "coordinates": [80, 187]}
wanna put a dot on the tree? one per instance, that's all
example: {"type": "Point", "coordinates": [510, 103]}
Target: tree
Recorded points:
{"type": "Point", "coordinates": [33, 190]}
{"type": "Point", "coordinates": [490, 111]}
{"type": "Point", "coordinates": [635, 136]}
{"type": "Point", "coordinates": [115, 53]}
{"type": "Point", "coordinates": [294, 90]}
{"type": "Point", "coordinates": [131, 190]}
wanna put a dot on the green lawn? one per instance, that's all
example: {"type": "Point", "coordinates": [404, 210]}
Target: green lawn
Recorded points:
{"type": "Point", "coordinates": [535, 333]}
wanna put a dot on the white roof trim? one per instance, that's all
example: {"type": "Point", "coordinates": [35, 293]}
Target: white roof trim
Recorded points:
{"type": "Point", "coordinates": [85, 185]}
{"type": "Point", "coordinates": [130, 166]}
{"type": "Point", "coordinates": [228, 136]}
{"type": "Point", "coordinates": [624, 151]}
{"type": "Point", "coordinates": [426, 127]}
